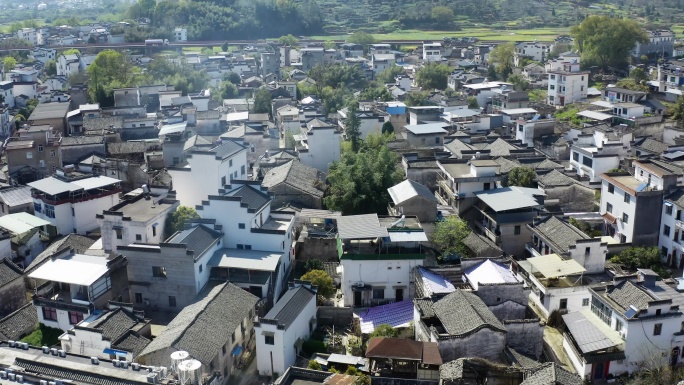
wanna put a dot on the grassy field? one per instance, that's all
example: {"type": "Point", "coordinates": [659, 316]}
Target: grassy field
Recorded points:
{"type": "Point", "coordinates": [541, 34]}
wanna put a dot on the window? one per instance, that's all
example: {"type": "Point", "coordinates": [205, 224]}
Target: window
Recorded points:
{"type": "Point", "coordinates": [585, 301]}
{"type": "Point", "coordinates": [611, 188]}
{"type": "Point", "coordinates": [563, 303]}
{"type": "Point", "coordinates": [138, 298]}
{"type": "Point", "coordinates": [138, 237]}
{"type": "Point", "coordinates": [40, 148]}
{"type": "Point", "coordinates": [575, 156]}
{"type": "Point", "coordinates": [609, 207]}
{"type": "Point", "coordinates": [242, 170]}
{"type": "Point", "coordinates": [172, 301]}
{"type": "Point", "coordinates": [378, 293]}
{"type": "Point", "coordinates": [29, 155]}
{"type": "Point", "coordinates": [119, 233]}
{"type": "Point", "coordinates": [657, 329]}
{"type": "Point", "coordinates": [200, 268]}
{"type": "Point", "coordinates": [53, 153]}
{"type": "Point", "coordinates": [552, 87]}
{"type": "Point", "coordinates": [241, 225]}
{"type": "Point", "coordinates": [486, 186]}
{"type": "Point", "coordinates": [587, 250]}
{"type": "Point", "coordinates": [666, 230]}
{"type": "Point", "coordinates": [230, 163]}
{"type": "Point", "coordinates": [223, 349]}
{"type": "Point", "coordinates": [627, 198]}
{"type": "Point", "coordinates": [248, 247]}
{"type": "Point", "coordinates": [516, 230]}
{"type": "Point", "coordinates": [658, 311]}
{"type": "Point", "coordinates": [240, 246]}
{"type": "Point", "coordinates": [269, 340]}
{"type": "Point", "coordinates": [37, 207]}
{"type": "Point", "coordinates": [223, 181]}
{"type": "Point", "coordinates": [49, 211]}
{"type": "Point", "coordinates": [75, 317]}
{"type": "Point", "coordinates": [49, 314]}
{"type": "Point", "coordinates": [587, 161]}
{"type": "Point", "coordinates": [154, 231]}
{"type": "Point", "coordinates": [159, 271]}
{"type": "Point", "coordinates": [668, 209]}
{"type": "Point", "coordinates": [437, 140]}
{"type": "Point", "coordinates": [618, 325]}
{"type": "Point", "coordinates": [625, 217]}
{"type": "Point", "coordinates": [232, 338]}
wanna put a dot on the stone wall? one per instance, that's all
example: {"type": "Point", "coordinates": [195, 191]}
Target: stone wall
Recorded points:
{"type": "Point", "coordinates": [484, 343]}
{"type": "Point", "coordinates": [526, 336]}
{"type": "Point", "coordinates": [506, 301]}
{"type": "Point", "coordinates": [341, 317]}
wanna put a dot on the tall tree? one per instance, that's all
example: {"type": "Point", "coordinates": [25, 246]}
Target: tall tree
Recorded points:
{"type": "Point", "coordinates": [359, 181]}
{"type": "Point", "coordinates": [502, 57]}
{"type": "Point", "coordinates": [352, 125]}
{"type": "Point", "coordinates": [362, 38]}
{"type": "Point", "coordinates": [607, 41]}
{"type": "Point", "coordinates": [433, 76]}
{"type": "Point", "coordinates": [521, 176]}
{"type": "Point", "coordinates": [9, 63]}
{"type": "Point", "coordinates": [443, 16]}
{"type": "Point", "coordinates": [262, 101]}
{"type": "Point", "coordinates": [519, 82]}
{"type": "Point", "coordinates": [177, 219]}
{"type": "Point", "coordinates": [449, 235]}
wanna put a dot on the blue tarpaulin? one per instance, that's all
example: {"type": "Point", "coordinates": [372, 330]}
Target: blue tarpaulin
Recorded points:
{"type": "Point", "coordinates": [237, 350]}
{"type": "Point", "coordinates": [115, 352]}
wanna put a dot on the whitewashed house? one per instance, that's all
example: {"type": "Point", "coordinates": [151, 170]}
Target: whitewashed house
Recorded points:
{"type": "Point", "coordinates": [280, 333]}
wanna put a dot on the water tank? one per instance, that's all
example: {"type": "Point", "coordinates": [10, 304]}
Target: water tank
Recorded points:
{"type": "Point", "coordinates": [178, 357]}
{"type": "Point", "coordinates": [190, 372]}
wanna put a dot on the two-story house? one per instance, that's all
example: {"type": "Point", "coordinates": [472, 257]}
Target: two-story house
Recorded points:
{"type": "Point", "coordinates": [432, 51]}
{"type": "Point", "coordinates": [426, 135]}
{"type": "Point", "coordinates": [458, 180]}
{"type": "Point", "coordinates": [139, 218]}
{"type": "Point", "coordinates": [376, 258]}
{"type": "Point", "coordinates": [70, 201]}
{"type": "Point", "coordinates": [671, 239]}
{"type": "Point", "coordinates": [503, 213]}
{"type": "Point", "coordinates": [33, 152]}
{"type": "Point", "coordinates": [634, 319]}
{"type": "Point", "coordinates": [207, 170]}
{"type": "Point", "coordinates": [292, 319]}
{"type": "Point", "coordinates": [319, 144]}
{"type": "Point", "coordinates": [72, 287]}
{"type": "Point", "coordinates": [68, 65]}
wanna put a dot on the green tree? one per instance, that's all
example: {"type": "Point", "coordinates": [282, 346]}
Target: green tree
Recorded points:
{"type": "Point", "coordinates": [362, 380]}
{"type": "Point", "coordinates": [433, 76]}
{"type": "Point", "coordinates": [491, 73]}
{"type": "Point", "coordinates": [71, 51]}
{"type": "Point", "coordinates": [677, 110]}
{"type": "Point", "coordinates": [521, 176]}
{"type": "Point", "coordinates": [109, 70]}
{"type": "Point", "coordinates": [352, 125]}
{"type": "Point", "coordinates": [314, 365]}
{"type": "Point", "coordinates": [387, 128]}
{"type": "Point", "coordinates": [639, 75]}
{"type": "Point", "coordinates": [472, 103]}
{"type": "Point", "coordinates": [384, 330]}
{"type": "Point", "coordinates": [51, 68]}
{"type": "Point", "coordinates": [632, 84]}
{"type": "Point", "coordinates": [519, 82]}
{"type": "Point", "coordinates": [449, 235]}
{"type": "Point", "coordinates": [9, 63]}
{"type": "Point", "coordinates": [232, 77]}
{"type": "Point", "coordinates": [389, 75]}
{"type": "Point", "coordinates": [313, 264]}
{"type": "Point", "coordinates": [502, 57]}
{"type": "Point", "coordinates": [359, 180]}
{"type": "Point", "coordinates": [288, 40]}
{"type": "Point", "coordinates": [442, 15]}
{"type": "Point", "coordinates": [352, 371]}
{"type": "Point", "coordinates": [607, 41]}
{"type": "Point", "coordinates": [227, 90]}
{"type": "Point", "coordinates": [641, 257]}
{"type": "Point", "coordinates": [376, 93]}
{"type": "Point", "coordinates": [147, 7]}
{"type": "Point", "coordinates": [262, 101]}
{"type": "Point", "coordinates": [416, 98]}
{"type": "Point", "coordinates": [177, 219]}
{"type": "Point", "coordinates": [325, 284]}
{"type": "Point", "coordinates": [329, 44]}
{"type": "Point", "coordinates": [362, 38]}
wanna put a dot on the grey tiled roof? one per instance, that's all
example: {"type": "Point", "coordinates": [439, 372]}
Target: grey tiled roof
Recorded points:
{"type": "Point", "coordinates": [81, 140]}
{"type": "Point", "coordinates": [555, 178]}
{"type": "Point", "coordinates": [132, 342]}
{"type": "Point", "coordinates": [102, 123]}
{"type": "Point", "coordinates": [548, 164]}
{"type": "Point", "coordinates": [203, 327]}
{"type": "Point", "coordinates": [424, 307]}
{"type": "Point", "coordinates": [677, 197]}
{"type": "Point", "coordinates": [250, 197]}
{"type": "Point", "coordinates": [291, 305]}
{"type": "Point", "coordinates": [209, 114]}
{"type": "Point", "coordinates": [500, 147]}
{"type": "Point", "coordinates": [16, 196]}
{"type": "Point", "coordinates": [115, 323]}
{"type": "Point", "coordinates": [78, 376]}
{"type": "Point", "coordinates": [479, 244]}
{"type": "Point", "coordinates": [558, 233]}
{"type": "Point", "coordinates": [77, 242]}
{"type": "Point", "coordinates": [14, 325]}
{"type": "Point", "coordinates": [197, 239]}
{"type": "Point", "coordinates": [506, 164]}
{"type": "Point", "coordinates": [651, 145]}
{"type": "Point", "coordinates": [627, 294]}
{"type": "Point", "coordinates": [298, 176]}
{"type": "Point", "coordinates": [462, 313]}
{"type": "Point", "coordinates": [552, 374]}
{"type": "Point", "coordinates": [123, 148]}
{"type": "Point", "coordinates": [8, 272]}
{"type": "Point", "coordinates": [227, 149]}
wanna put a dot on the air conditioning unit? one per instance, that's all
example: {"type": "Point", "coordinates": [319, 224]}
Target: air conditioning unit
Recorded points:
{"type": "Point", "coordinates": [25, 346]}
{"type": "Point", "coordinates": [43, 382]}
{"type": "Point", "coordinates": [152, 377]}
{"type": "Point", "coordinates": [62, 353]}
{"type": "Point", "coordinates": [115, 363]}
{"type": "Point", "coordinates": [46, 349]}
{"type": "Point", "coordinates": [135, 366]}
{"type": "Point", "coordinates": [53, 351]}
{"type": "Point", "coordinates": [94, 360]}
{"type": "Point", "coordinates": [123, 364]}
{"type": "Point", "coordinates": [12, 344]}
{"type": "Point", "coordinates": [3, 374]}
{"type": "Point", "coordinates": [12, 376]}
{"type": "Point", "coordinates": [20, 378]}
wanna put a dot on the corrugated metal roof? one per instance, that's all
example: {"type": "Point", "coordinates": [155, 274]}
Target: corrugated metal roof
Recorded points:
{"type": "Point", "coordinates": [95, 182]}
{"type": "Point", "coordinates": [590, 333]}
{"type": "Point", "coordinates": [360, 227]}
{"type": "Point", "coordinates": [595, 115]}
{"type": "Point", "coordinates": [409, 189]}
{"type": "Point", "coordinates": [172, 128]}
{"type": "Point", "coordinates": [509, 198]}
{"type": "Point", "coordinates": [20, 223]}
{"type": "Point", "coordinates": [53, 186]}
{"type": "Point", "coordinates": [407, 236]}
{"type": "Point", "coordinates": [16, 196]}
